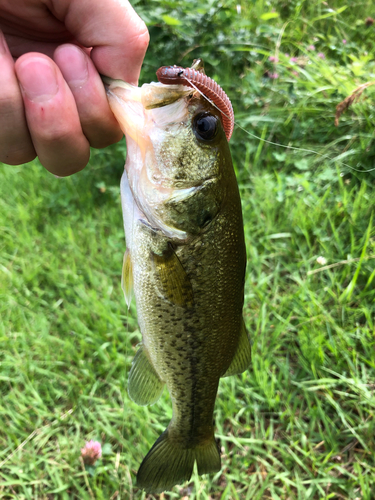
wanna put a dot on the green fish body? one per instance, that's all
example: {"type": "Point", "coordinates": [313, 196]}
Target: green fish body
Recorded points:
{"type": "Point", "coordinates": [185, 261]}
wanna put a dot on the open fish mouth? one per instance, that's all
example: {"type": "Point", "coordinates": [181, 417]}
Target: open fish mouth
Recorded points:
{"type": "Point", "coordinates": [150, 95]}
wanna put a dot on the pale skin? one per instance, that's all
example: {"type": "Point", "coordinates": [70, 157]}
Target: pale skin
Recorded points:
{"type": "Point", "coordinates": [52, 100]}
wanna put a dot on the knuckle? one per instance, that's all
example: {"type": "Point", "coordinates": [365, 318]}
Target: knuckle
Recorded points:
{"type": "Point", "coordinates": [53, 136]}
{"type": "Point", "coordinates": [105, 140]}
{"type": "Point", "coordinates": [140, 37]}
{"type": "Point", "coordinates": [144, 36]}
{"type": "Point", "coordinates": [17, 156]}
{"type": "Point", "coordinates": [64, 158]}
{"type": "Point", "coordinates": [101, 131]}
{"type": "Point", "coordinates": [69, 167]}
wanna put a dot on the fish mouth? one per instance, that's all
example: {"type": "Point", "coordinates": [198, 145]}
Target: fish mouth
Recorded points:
{"type": "Point", "coordinates": [136, 107]}
{"type": "Point", "coordinates": [151, 95]}
{"type": "Point", "coordinates": [145, 114]}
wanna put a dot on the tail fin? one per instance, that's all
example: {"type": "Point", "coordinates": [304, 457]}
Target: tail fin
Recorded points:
{"type": "Point", "coordinates": [169, 463]}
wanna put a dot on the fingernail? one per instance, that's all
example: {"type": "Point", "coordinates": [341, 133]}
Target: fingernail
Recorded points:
{"type": "Point", "coordinates": [37, 79]}
{"type": "Point", "coordinates": [73, 66]}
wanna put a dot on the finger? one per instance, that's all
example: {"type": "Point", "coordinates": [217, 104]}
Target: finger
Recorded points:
{"type": "Point", "coordinates": [51, 115]}
{"type": "Point", "coordinates": [19, 45]}
{"type": "Point", "coordinates": [97, 120]}
{"type": "Point", "coordinates": [118, 36]}
{"type": "Point", "coordinates": [16, 146]}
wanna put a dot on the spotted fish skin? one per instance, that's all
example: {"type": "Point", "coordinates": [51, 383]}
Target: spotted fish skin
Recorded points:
{"type": "Point", "coordinates": [185, 261]}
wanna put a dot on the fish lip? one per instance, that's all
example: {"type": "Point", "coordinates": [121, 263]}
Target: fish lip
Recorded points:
{"type": "Point", "coordinates": [161, 95]}
{"type": "Point", "coordinates": [108, 81]}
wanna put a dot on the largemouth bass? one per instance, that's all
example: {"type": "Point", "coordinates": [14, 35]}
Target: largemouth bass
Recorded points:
{"type": "Point", "coordinates": [185, 260]}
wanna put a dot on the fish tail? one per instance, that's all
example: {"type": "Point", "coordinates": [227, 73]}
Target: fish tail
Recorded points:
{"type": "Point", "coordinates": [169, 463]}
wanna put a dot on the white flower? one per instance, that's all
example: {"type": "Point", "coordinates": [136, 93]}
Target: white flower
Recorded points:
{"type": "Point", "coordinates": [321, 260]}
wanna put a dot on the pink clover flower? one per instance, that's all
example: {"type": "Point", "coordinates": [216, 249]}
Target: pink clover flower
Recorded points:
{"type": "Point", "coordinates": [91, 452]}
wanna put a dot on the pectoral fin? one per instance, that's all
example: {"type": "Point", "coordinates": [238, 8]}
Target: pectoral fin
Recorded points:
{"type": "Point", "coordinates": [127, 278]}
{"type": "Point", "coordinates": [173, 281]}
{"type": "Point", "coordinates": [144, 384]}
{"type": "Point", "coordinates": [242, 356]}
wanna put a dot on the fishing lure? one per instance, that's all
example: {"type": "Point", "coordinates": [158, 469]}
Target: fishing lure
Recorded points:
{"type": "Point", "coordinates": [195, 78]}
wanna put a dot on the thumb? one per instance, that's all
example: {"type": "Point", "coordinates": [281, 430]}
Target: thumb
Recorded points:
{"type": "Point", "coordinates": [117, 34]}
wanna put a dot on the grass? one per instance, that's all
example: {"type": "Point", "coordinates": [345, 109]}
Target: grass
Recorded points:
{"type": "Point", "coordinates": [300, 423]}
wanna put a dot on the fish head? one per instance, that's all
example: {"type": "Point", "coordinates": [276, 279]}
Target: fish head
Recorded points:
{"type": "Point", "coordinates": [177, 154]}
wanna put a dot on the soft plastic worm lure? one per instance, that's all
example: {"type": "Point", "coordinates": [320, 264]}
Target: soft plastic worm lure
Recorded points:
{"type": "Point", "coordinates": [190, 77]}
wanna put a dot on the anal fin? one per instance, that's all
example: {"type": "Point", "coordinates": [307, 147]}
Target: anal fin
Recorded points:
{"type": "Point", "coordinates": [144, 384]}
{"type": "Point", "coordinates": [242, 357]}
{"type": "Point", "coordinates": [127, 278]}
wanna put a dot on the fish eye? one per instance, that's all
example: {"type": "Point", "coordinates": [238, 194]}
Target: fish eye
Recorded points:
{"type": "Point", "coordinates": [205, 126]}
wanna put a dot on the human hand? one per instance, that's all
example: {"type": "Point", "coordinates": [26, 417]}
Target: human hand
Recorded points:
{"type": "Point", "coordinates": [52, 101]}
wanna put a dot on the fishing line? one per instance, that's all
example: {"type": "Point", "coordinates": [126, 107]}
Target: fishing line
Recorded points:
{"type": "Point", "coordinates": [275, 143]}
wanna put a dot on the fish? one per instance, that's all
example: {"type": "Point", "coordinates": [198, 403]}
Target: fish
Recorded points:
{"type": "Point", "coordinates": [185, 264]}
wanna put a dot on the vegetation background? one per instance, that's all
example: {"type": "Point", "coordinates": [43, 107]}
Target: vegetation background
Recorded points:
{"type": "Point", "coordinates": [300, 423]}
